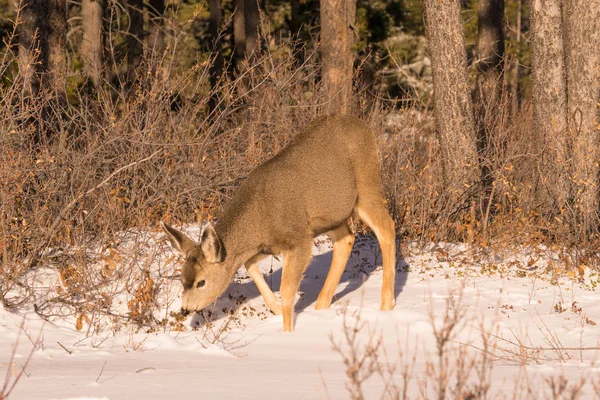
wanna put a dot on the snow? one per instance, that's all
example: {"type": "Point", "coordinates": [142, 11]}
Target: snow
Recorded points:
{"type": "Point", "coordinates": [504, 294]}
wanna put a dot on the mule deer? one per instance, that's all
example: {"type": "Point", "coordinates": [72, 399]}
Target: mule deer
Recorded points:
{"type": "Point", "coordinates": [313, 186]}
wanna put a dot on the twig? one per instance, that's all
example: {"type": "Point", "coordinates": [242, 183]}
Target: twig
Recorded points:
{"type": "Point", "coordinates": [324, 383]}
{"type": "Point", "coordinates": [544, 348]}
{"type": "Point", "coordinates": [6, 390]}
{"type": "Point", "coordinates": [144, 369]}
{"type": "Point", "coordinates": [553, 348]}
{"type": "Point", "coordinates": [101, 371]}
{"type": "Point", "coordinates": [530, 348]}
{"type": "Point", "coordinates": [67, 350]}
{"type": "Point", "coordinates": [201, 344]}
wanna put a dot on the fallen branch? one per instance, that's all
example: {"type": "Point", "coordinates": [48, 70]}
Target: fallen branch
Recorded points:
{"type": "Point", "coordinates": [64, 348]}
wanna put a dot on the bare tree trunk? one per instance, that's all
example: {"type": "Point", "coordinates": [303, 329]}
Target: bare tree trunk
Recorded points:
{"type": "Point", "coordinates": [488, 91]}
{"type": "Point", "coordinates": [57, 56]}
{"type": "Point", "coordinates": [42, 59]}
{"type": "Point", "coordinates": [92, 45]}
{"type": "Point", "coordinates": [295, 25]}
{"type": "Point", "coordinates": [156, 37]}
{"type": "Point", "coordinates": [239, 33]}
{"type": "Point", "coordinates": [337, 37]}
{"type": "Point", "coordinates": [135, 40]}
{"type": "Point", "coordinates": [251, 21]}
{"type": "Point", "coordinates": [56, 78]}
{"type": "Point", "coordinates": [31, 30]}
{"type": "Point", "coordinates": [549, 98]}
{"type": "Point", "coordinates": [42, 35]}
{"type": "Point", "coordinates": [514, 85]}
{"type": "Point", "coordinates": [216, 69]}
{"type": "Point", "coordinates": [452, 100]}
{"type": "Point", "coordinates": [582, 54]}
{"type": "Point", "coordinates": [33, 62]}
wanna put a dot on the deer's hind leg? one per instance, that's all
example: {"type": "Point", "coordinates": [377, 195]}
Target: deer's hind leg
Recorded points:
{"type": "Point", "coordinates": [295, 262]}
{"type": "Point", "coordinates": [264, 289]}
{"type": "Point", "coordinates": [372, 211]}
{"type": "Point", "coordinates": [343, 240]}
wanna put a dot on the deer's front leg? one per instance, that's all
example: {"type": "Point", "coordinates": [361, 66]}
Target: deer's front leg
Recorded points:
{"type": "Point", "coordinates": [264, 289]}
{"type": "Point", "coordinates": [294, 265]}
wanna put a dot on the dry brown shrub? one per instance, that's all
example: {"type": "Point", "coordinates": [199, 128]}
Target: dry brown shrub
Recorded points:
{"type": "Point", "coordinates": [79, 179]}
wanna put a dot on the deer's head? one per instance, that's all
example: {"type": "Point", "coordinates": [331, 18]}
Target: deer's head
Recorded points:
{"type": "Point", "coordinates": [204, 275]}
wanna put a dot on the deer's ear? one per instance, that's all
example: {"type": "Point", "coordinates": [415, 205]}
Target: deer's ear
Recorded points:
{"type": "Point", "coordinates": [181, 242]}
{"type": "Point", "coordinates": [212, 246]}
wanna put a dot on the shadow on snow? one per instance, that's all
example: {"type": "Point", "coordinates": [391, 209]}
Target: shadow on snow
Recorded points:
{"type": "Point", "coordinates": [364, 260]}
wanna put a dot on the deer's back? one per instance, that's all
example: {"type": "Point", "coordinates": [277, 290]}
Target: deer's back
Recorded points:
{"type": "Point", "coordinates": [308, 188]}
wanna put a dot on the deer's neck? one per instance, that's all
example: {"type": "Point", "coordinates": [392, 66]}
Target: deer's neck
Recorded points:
{"type": "Point", "coordinates": [239, 241]}
{"type": "Point", "coordinates": [240, 226]}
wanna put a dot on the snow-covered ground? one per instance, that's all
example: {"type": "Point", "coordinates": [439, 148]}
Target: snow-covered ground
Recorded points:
{"type": "Point", "coordinates": [541, 330]}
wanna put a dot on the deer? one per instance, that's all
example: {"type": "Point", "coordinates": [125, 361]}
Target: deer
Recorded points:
{"type": "Point", "coordinates": [323, 177]}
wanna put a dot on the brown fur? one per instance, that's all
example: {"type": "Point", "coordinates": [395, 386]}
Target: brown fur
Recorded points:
{"type": "Point", "coordinates": [313, 186]}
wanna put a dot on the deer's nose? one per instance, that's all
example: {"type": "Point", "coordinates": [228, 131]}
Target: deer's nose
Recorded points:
{"type": "Point", "coordinates": [185, 312]}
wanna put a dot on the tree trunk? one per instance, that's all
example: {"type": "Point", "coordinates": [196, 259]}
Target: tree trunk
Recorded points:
{"type": "Point", "coordinates": [156, 37]}
{"type": "Point", "coordinates": [582, 54]}
{"type": "Point", "coordinates": [216, 68]}
{"type": "Point", "coordinates": [42, 60]}
{"type": "Point", "coordinates": [514, 85]}
{"type": "Point", "coordinates": [251, 22]}
{"type": "Point", "coordinates": [452, 100]}
{"type": "Point", "coordinates": [295, 26]}
{"type": "Point", "coordinates": [31, 30]}
{"type": "Point", "coordinates": [337, 37]}
{"type": "Point", "coordinates": [239, 33]}
{"type": "Point", "coordinates": [549, 98]}
{"type": "Point", "coordinates": [92, 45]}
{"type": "Point", "coordinates": [488, 91]}
{"type": "Point", "coordinates": [135, 39]}
{"type": "Point", "coordinates": [57, 56]}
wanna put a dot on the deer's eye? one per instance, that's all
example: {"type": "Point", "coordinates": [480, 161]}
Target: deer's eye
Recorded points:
{"type": "Point", "coordinates": [201, 283]}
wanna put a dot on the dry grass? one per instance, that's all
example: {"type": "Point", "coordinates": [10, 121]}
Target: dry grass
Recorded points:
{"type": "Point", "coordinates": [452, 369]}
